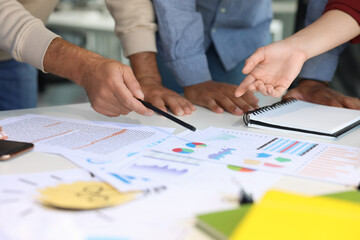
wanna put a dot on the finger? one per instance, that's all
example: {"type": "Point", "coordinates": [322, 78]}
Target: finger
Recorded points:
{"type": "Point", "coordinates": [260, 86]}
{"type": "Point", "coordinates": [244, 86]}
{"type": "Point", "coordinates": [294, 93]}
{"type": "Point", "coordinates": [131, 83]}
{"type": "Point", "coordinates": [250, 63]}
{"type": "Point", "coordinates": [175, 105]}
{"type": "Point", "coordinates": [159, 103]}
{"type": "Point", "coordinates": [350, 102]}
{"type": "Point", "coordinates": [180, 106]}
{"type": "Point", "coordinates": [213, 106]}
{"type": "Point", "coordinates": [230, 106]}
{"type": "Point", "coordinates": [250, 98]}
{"type": "Point", "coordinates": [278, 91]}
{"type": "Point", "coordinates": [270, 89]}
{"type": "Point", "coordinates": [126, 99]}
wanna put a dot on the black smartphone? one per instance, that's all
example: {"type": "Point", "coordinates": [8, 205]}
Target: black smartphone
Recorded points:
{"type": "Point", "coordinates": [9, 149]}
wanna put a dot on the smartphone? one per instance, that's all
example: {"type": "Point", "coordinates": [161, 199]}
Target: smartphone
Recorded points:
{"type": "Point", "coordinates": [9, 149]}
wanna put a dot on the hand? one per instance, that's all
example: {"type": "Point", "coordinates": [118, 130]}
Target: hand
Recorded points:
{"type": "Point", "coordinates": [219, 96]}
{"type": "Point", "coordinates": [271, 69]}
{"type": "Point", "coordinates": [110, 85]}
{"type": "Point", "coordinates": [160, 97]}
{"type": "Point", "coordinates": [318, 92]}
{"type": "Point", "coordinates": [146, 71]}
{"type": "Point", "coordinates": [112, 88]}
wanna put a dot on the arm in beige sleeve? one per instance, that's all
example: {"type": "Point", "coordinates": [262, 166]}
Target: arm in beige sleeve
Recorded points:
{"type": "Point", "coordinates": [22, 35]}
{"type": "Point", "coordinates": [134, 25]}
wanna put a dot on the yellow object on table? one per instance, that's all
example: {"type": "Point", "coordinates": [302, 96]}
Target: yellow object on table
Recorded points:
{"type": "Point", "coordinates": [288, 216]}
{"type": "Point", "coordinates": [84, 195]}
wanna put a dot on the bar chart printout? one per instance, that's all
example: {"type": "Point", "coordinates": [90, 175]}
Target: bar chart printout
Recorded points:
{"type": "Point", "coordinates": [288, 146]}
{"type": "Point", "coordinates": [334, 164]}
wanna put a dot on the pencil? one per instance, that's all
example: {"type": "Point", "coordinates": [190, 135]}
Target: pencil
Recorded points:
{"type": "Point", "coordinates": [172, 118]}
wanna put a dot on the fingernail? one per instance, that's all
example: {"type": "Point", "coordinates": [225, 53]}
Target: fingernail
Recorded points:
{"type": "Point", "coordinates": [149, 113]}
{"type": "Point", "coordinates": [139, 94]}
{"type": "Point", "coordinates": [238, 110]}
{"type": "Point", "coordinates": [180, 113]}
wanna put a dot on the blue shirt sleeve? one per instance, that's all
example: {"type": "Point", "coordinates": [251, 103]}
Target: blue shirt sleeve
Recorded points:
{"type": "Point", "coordinates": [321, 67]}
{"type": "Point", "coordinates": [181, 42]}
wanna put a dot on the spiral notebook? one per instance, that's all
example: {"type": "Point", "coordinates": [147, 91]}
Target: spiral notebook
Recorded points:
{"type": "Point", "coordinates": [304, 117]}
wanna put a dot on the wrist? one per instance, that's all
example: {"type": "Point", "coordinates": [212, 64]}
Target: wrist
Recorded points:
{"type": "Point", "coordinates": [297, 46]}
{"type": "Point", "coordinates": [145, 67]}
{"type": "Point", "coordinates": [313, 83]}
{"type": "Point", "coordinates": [149, 80]}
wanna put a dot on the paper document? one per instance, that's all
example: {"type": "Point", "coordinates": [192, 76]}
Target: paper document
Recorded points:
{"type": "Point", "coordinates": [320, 161]}
{"type": "Point", "coordinates": [81, 138]}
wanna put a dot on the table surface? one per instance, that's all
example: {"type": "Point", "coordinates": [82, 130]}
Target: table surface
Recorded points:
{"type": "Point", "coordinates": [201, 119]}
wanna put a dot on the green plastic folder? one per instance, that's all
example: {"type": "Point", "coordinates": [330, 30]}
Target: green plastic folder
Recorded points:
{"type": "Point", "coordinates": [221, 225]}
{"type": "Point", "coordinates": [352, 196]}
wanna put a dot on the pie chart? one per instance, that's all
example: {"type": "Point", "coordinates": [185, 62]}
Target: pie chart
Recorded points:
{"type": "Point", "coordinates": [196, 145]}
{"type": "Point", "coordinates": [183, 150]}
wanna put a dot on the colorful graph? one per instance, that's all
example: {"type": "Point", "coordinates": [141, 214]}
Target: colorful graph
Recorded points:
{"type": "Point", "coordinates": [97, 161]}
{"type": "Point", "coordinates": [240, 169]}
{"type": "Point", "coordinates": [183, 150]}
{"type": "Point", "coordinates": [158, 169]}
{"type": "Point", "coordinates": [331, 163]}
{"type": "Point", "coordinates": [221, 154]}
{"type": "Point", "coordinates": [196, 145]}
{"type": "Point", "coordinates": [223, 136]}
{"type": "Point", "coordinates": [288, 146]}
{"type": "Point", "coordinates": [172, 157]}
{"type": "Point", "coordinates": [280, 159]}
{"type": "Point", "coordinates": [128, 179]}
{"type": "Point", "coordinates": [272, 165]}
{"type": "Point", "coordinates": [263, 155]}
{"type": "Point", "coordinates": [252, 162]}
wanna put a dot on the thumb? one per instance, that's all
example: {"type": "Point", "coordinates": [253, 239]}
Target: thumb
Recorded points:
{"type": "Point", "coordinates": [250, 63]}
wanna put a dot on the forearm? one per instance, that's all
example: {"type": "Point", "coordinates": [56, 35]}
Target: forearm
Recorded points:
{"type": "Point", "coordinates": [329, 31]}
{"type": "Point", "coordinates": [145, 67]}
{"type": "Point", "coordinates": [68, 60]}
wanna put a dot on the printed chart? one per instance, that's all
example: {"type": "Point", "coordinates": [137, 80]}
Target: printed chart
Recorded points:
{"type": "Point", "coordinates": [291, 147]}
{"type": "Point", "coordinates": [244, 151]}
{"type": "Point", "coordinates": [332, 163]}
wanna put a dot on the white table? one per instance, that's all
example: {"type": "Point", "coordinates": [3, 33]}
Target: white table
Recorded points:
{"type": "Point", "coordinates": [201, 118]}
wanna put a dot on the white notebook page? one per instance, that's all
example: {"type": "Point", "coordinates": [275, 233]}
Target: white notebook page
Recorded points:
{"type": "Point", "coordinates": [309, 116]}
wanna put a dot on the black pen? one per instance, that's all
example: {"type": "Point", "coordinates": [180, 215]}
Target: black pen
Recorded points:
{"type": "Point", "coordinates": [161, 112]}
{"type": "Point", "coordinates": [244, 197]}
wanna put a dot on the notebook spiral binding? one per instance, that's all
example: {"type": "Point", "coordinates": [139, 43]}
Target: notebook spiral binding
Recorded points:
{"type": "Point", "coordinates": [246, 116]}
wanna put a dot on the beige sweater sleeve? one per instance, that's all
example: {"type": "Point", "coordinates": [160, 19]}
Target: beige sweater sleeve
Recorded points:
{"type": "Point", "coordinates": [134, 25]}
{"type": "Point", "coordinates": [22, 35]}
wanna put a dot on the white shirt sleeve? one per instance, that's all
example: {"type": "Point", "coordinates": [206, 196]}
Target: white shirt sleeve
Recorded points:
{"type": "Point", "coordinates": [22, 35]}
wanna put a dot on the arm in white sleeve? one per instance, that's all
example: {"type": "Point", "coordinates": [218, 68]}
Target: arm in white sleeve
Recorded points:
{"type": "Point", "coordinates": [134, 25]}
{"type": "Point", "coordinates": [22, 35]}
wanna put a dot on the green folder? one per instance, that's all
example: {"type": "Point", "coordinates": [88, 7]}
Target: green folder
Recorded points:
{"type": "Point", "coordinates": [220, 225]}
